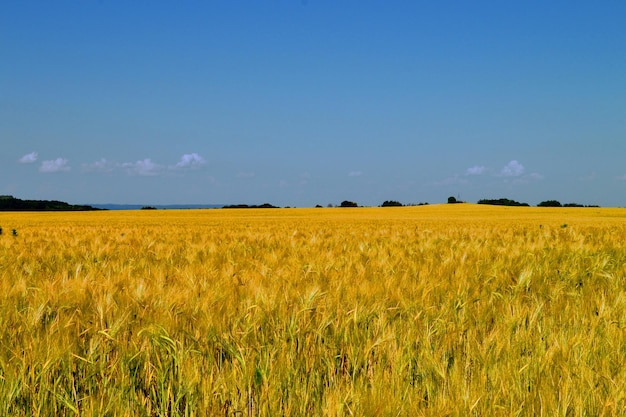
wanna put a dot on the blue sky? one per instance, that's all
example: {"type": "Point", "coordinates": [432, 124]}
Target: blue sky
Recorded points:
{"type": "Point", "coordinates": [313, 102]}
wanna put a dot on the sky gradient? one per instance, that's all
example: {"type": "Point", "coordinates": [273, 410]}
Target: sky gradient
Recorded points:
{"type": "Point", "coordinates": [301, 103]}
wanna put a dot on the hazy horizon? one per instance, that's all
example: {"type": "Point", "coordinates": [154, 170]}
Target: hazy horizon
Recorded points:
{"type": "Point", "coordinates": [191, 205]}
{"type": "Point", "coordinates": [308, 102]}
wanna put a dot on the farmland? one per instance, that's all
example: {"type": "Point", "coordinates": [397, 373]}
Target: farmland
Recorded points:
{"type": "Point", "coordinates": [432, 310]}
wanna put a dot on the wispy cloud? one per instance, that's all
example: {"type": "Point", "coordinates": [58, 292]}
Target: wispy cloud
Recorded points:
{"type": "Point", "coordinates": [476, 170]}
{"type": "Point", "coordinates": [246, 175]}
{"type": "Point", "coordinates": [144, 167]}
{"type": "Point", "coordinates": [101, 165]}
{"type": "Point", "coordinates": [355, 173]}
{"type": "Point", "coordinates": [191, 160]}
{"type": "Point", "coordinates": [589, 177]}
{"type": "Point", "coordinates": [305, 178]}
{"type": "Point", "coordinates": [513, 169]}
{"type": "Point", "coordinates": [513, 172]}
{"type": "Point", "coordinates": [54, 165]}
{"type": "Point", "coordinates": [455, 180]}
{"type": "Point", "coordinates": [29, 158]}
{"type": "Point", "coordinates": [621, 178]}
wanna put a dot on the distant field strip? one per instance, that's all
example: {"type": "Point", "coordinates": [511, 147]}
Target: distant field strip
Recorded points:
{"type": "Point", "coordinates": [453, 310]}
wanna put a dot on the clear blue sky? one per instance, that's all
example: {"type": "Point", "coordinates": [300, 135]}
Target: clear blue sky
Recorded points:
{"type": "Point", "coordinates": [313, 102]}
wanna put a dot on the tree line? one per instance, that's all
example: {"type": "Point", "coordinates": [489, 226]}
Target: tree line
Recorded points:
{"type": "Point", "coordinates": [493, 202]}
{"type": "Point", "coordinates": [547, 203]}
{"type": "Point", "coordinates": [10, 203]}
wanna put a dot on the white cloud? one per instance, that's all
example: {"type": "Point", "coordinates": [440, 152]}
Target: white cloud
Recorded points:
{"type": "Point", "coordinates": [513, 169]}
{"type": "Point", "coordinates": [29, 158]}
{"type": "Point", "coordinates": [192, 160]}
{"type": "Point", "coordinates": [355, 174]}
{"type": "Point", "coordinates": [55, 165]}
{"type": "Point", "coordinates": [622, 178]}
{"type": "Point", "coordinates": [475, 170]}
{"type": "Point", "coordinates": [144, 167]}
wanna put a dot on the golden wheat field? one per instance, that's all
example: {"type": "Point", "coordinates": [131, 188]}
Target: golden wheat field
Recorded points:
{"type": "Point", "coordinates": [453, 310]}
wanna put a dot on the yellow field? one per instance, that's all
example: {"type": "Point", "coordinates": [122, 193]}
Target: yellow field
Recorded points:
{"type": "Point", "coordinates": [433, 310]}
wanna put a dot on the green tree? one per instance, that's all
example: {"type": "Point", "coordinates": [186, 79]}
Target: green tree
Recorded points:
{"type": "Point", "coordinates": [549, 203]}
{"type": "Point", "coordinates": [391, 203]}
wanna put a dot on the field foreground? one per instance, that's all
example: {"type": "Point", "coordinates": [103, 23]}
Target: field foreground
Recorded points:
{"type": "Point", "coordinates": [433, 310]}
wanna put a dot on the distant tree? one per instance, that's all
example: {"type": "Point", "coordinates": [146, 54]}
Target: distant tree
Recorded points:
{"type": "Point", "coordinates": [452, 200]}
{"type": "Point", "coordinates": [391, 203]}
{"type": "Point", "coordinates": [245, 206]}
{"type": "Point", "coordinates": [502, 202]}
{"type": "Point", "coordinates": [579, 205]}
{"type": "Point", "coordinates": [318, 206]}
{"type": "Point", "coordinates": [549, 203]}
{"type": "Point", "coordinates": [347, 203]}
{"type": "Point", "coordinates": [148, 208]}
